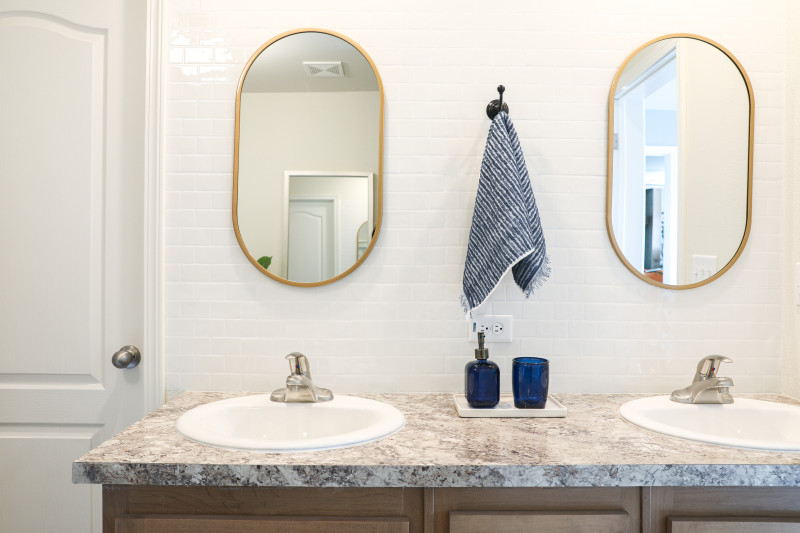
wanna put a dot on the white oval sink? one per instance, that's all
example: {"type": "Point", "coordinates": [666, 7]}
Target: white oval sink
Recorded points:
{"type": "Point", "coordinates": [745, 423]}
{"type": "Point", "coordinates": [255, 423]}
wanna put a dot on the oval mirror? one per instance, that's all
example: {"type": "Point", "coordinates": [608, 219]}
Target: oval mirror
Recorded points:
{"type": "Point", "coordinates": [680, 158]}
{"type": "Point", "coordinates": [307, 191]}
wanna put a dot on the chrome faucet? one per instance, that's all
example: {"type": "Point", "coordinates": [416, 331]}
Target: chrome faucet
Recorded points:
{"type": "Point", "coordinates": [299, 387]}
{"type": "Point", "coordinates": [706, 387]}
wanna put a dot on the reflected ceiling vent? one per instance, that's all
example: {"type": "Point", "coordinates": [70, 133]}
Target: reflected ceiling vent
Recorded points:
{"type": "Point", "coordinates": [323, 69]}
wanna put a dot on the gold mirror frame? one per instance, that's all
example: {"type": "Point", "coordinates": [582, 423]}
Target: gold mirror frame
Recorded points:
{"type": "Point", "coordinates": [379, 177]}
{"type": "Point", "coordinates": [610, 162]}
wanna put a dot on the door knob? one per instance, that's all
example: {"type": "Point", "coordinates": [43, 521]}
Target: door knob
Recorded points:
{"type": "Point", "coordinates": [126, 357]}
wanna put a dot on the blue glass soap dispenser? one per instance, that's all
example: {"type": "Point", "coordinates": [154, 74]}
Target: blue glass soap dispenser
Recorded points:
{"type": "Point", "coordinates": [482, 379]}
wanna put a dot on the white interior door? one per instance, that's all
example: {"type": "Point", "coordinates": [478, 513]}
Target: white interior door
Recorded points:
{"type": "Point", "coordinates": [312, 239]}
{"type": "Point", "coordinates": [629, 178]}
{"type": "Point", "coordinates": [71, 248]}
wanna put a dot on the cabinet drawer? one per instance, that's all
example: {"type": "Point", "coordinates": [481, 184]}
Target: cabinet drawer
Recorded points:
{"type": "Point", "coordinates": [713, 524]}
{"type": "Point", "coordinates": [540, 522]}
{"type": "Point", "coordinates": [258, 524]}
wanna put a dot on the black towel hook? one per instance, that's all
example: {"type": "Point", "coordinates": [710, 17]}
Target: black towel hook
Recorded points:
{"type": "Point", "coordinates": [495, 106]}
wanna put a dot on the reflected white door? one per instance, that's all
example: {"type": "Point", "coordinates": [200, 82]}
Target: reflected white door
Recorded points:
{"type": "Point", "coordinates": [312, 240]}
{"type": "Point", "coordinates": [71, 239]}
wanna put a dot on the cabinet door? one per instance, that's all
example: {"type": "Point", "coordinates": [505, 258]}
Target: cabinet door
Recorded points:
{"type": "Point", "coordinates": [258, 524]}
{"type": "Point", "coordinates": [732, 525]}
{"type": "Point", "coordinates": [539, 510]}
{"type": "Point", "coordinates": [728, 509]}
{"type": "Point", "coordinates": [541, 522]}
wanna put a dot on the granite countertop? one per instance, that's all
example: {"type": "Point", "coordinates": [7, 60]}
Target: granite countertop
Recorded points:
{"type": "Point", "coordinates": [591, 447]}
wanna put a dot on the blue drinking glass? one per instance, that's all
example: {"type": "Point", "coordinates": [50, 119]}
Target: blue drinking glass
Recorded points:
{"type": "Point", "coordinates": [530, 377]}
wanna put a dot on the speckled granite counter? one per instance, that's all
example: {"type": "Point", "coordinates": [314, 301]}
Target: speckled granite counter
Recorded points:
{"type": "Point", "coordinates": [591, 447]}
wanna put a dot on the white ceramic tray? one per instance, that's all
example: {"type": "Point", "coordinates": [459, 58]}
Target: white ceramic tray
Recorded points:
{"type": "Point", "coordinates": [505, 409]}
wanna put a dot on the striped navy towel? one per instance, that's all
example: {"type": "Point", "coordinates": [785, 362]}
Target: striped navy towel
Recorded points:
{"type": "Point", "coordinates": [506, 232]}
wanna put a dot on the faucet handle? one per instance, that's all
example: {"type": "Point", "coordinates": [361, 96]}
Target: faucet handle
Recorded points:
{"type": "Point", "coordinates": [298, 364]}
{"type": "Point", "coordinates": [708, 366]}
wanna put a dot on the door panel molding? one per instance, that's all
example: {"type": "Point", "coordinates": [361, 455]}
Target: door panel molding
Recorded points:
{"type": "Point", "coordinates": [50, 381]}
{"type": "Point", "coordinates": [80, 172]}
{"type": "Point", "coordinates": [92, 433]}
{"type": "Point", "coordinates": [29, 484]}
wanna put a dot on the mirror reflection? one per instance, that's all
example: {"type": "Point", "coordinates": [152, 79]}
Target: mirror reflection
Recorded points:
{"type": "Point", "coordinates": [307, 162]}
{"type": "Point", "coordinates": [680, 160]}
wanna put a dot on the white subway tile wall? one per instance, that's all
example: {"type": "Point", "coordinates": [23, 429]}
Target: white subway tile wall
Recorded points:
{"type": "Point", "coordinates": [395, 324]}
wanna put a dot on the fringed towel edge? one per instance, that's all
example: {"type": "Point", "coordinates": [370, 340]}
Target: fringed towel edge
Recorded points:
{"type": "Point", "coordinates": [537, 281]}
{"type": "Point", "coordinates": [539, 278]}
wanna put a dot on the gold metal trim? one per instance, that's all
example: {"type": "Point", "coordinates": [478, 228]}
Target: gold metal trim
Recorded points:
{"type": "Point", "coordinates": [378, 184]}
{"type": "Point", "coordinates": [610, 161]}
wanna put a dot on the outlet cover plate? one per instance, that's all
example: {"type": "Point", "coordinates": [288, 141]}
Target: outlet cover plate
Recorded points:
{"type": "Point", "coordinates": [497, 328]}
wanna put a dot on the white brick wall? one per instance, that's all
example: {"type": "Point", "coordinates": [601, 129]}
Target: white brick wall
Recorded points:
{"type": "Point", "coordinates": [395, 324]}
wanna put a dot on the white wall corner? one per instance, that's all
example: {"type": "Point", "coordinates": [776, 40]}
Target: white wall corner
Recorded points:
{"type": "Point", "coordinates": [790, 375]}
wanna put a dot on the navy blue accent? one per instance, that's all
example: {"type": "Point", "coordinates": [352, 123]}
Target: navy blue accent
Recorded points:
{"type": "Point", "coordinates": [530, 379]}
{"type": "Point", "coordinates": [482, 383]}
{"type": "Point", "coordinates": [506, 231]}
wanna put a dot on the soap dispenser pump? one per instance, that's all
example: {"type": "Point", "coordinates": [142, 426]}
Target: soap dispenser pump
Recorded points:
{"type": "Point", "coordinates": [482, 378]}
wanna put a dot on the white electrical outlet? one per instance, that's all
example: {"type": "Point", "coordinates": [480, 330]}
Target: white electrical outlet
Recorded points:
{"type": "Point", "coordinates": [703, 267]}
{"type": "Point", "coordinates": [496, 328]}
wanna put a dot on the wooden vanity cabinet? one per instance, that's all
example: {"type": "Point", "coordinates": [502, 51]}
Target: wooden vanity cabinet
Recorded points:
{"type": "Point", "coordinates": [721, 510]}
{"type": "Point", "coordinates": [545, 510]}
{"type": "Point", "coordinates": [149, 509]}
{"type": "Point", "coordinates": [249, 524]}
{"type": "Point", "coordinates": [157, 509]}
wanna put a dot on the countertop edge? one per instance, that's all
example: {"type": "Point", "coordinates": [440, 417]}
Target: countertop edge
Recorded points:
{"type": "Point", "coordinates": [441, 476]}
